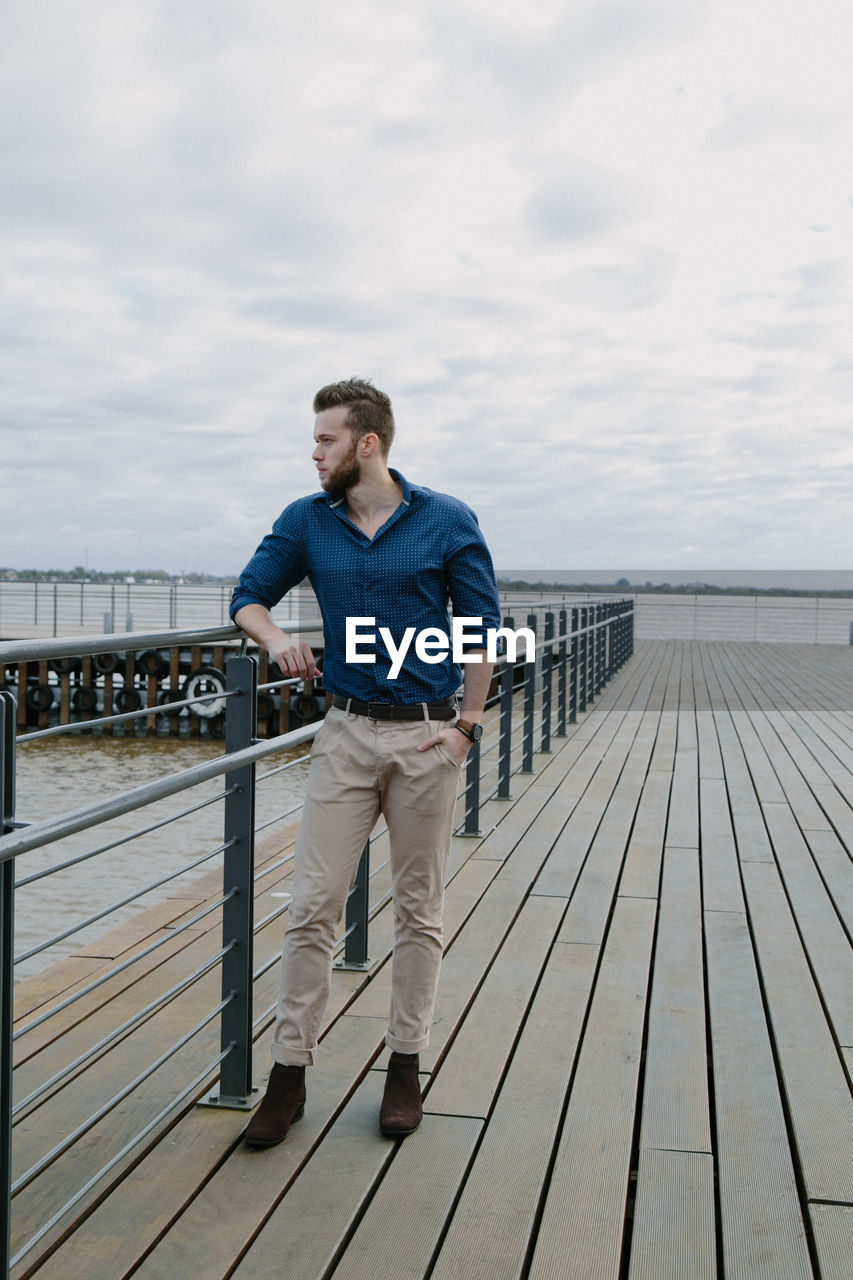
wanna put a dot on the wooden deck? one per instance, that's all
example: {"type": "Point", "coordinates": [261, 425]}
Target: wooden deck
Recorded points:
{"type": "Point", "coordinates": [642, 1056]}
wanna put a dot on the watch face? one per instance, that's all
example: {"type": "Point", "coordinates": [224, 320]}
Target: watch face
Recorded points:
{"type": "Point", "coordinates": [477, 732]}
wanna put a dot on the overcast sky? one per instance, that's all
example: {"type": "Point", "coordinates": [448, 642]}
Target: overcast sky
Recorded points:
{"type": "Point", "coordinates": [596, 251]}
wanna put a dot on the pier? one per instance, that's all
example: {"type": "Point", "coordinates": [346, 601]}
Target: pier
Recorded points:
{"type": "Point", "coordinates": [643, 1047]}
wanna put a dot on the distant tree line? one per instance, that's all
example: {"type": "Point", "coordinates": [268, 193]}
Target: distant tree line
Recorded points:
{"type": "Point", "coordinates": [621, 586]}
{"type": "Point", "coordinates": [624, 587]}
{"type": "Point", "coordinates": [81, 574]}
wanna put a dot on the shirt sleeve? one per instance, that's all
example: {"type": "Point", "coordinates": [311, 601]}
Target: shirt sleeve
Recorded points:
{"type": "Point", "coordinates": [471, 581]}
{"type": "Point", "coordinates": [278, 565]}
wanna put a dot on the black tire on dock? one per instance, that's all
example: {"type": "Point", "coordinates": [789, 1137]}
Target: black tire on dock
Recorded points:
{"type": "Point", "coordinates": [152, 663]}
{"type": "Point", "coordinates": [166, 696]}
{"type": "Point", "coordinates": [39, 697]}
{"type": "Point", "coordinates": [105, 663]}
{"type": "Point", "coordinates": [306, 706]}
{"type": "Point", "coordinates": [84, 698]}
{"type": "Point", "coordinates": [128, 699]}
{"type": "Point", "coordinates": [65, 666]}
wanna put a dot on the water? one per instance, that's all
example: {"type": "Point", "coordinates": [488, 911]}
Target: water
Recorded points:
{"type": "Point", "coordinates": [60, 775]}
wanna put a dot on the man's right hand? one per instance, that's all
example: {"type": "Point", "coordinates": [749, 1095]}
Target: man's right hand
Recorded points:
{"type": "Point", "coordinates": [294, 657]}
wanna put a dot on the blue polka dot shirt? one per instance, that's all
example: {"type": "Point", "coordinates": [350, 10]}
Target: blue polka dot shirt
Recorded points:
{"type": "Point", "coordinates": [429, 554]}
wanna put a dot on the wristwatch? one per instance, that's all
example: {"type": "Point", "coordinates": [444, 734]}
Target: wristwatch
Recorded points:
{"type": "Point", "coordinates": [473, 732]}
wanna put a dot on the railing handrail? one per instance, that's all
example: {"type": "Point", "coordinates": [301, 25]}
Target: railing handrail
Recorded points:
{"type": "Point", "coordinates": [35, 650]}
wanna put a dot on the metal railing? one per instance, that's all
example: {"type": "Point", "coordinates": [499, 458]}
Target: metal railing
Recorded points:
{"type": "Point", "coordinates": [577, 651]}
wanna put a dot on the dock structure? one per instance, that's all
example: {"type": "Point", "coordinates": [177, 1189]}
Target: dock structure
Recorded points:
{"type": "Point", "coordinates": [642, 1055]}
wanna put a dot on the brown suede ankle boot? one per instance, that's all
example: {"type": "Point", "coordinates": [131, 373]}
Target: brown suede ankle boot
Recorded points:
{"type": "Point", "coordinates": [283, 1103]}
{"type": "Point", "coordinates": [401, 1110]}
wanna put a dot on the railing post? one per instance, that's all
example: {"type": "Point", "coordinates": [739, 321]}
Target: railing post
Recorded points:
{"type": "Point", "coordinates": [507, 681]}
{"type": "Point", "coordinates": [235, 1083]}
{"type": "Point", "coordinates": [562, 652]}
{"type": "Point", "coordinates": [573, 667]}
{"type": "Point", "coordinates": [7, 972]}
{"type": "Point", "coordinates": [529, 705]}
{"type": "Point", "coordinates": [583, 660]}
{"type": "Point", "coordinates": [472, 792]}
{"type": "Point", "coordinates": [547, 683]}
{"type": "Point", "coordinates": [355, 948]}
{"type": "Point", "coordinates": [505, 733]}
{"type": "Point", "coordinates": [601, 637]}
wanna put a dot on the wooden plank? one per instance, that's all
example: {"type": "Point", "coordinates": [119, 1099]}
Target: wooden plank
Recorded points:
{"type": "Point", "coordinates": [763, 1236]}
{"type": "Point", "coordinates": [675, 1095]}
{"type": "Point", "coordinates": [818, 1092]}
{"type": "Point", "coordinates": [683, 821]}
{"type": "Point", "coordinates": [826, 943]}
{"type": "Point", "coordinates": [721, 887]}
{"type": "Point", "coordinates": [753, 843]}
{"type": "Point", "coordinates": [795, 789]}
{"type": "Point", "coordinates": [674, 1233]}
{"type": "Point", "coordinates": [836, 869]}
{"type": "Point", "coordinates": [641, 872]}
{"type": "Point", "coordinates": [571, 847]}
{"type": "Point", "coordinates": [832, 1225]}
{"type": "Point", "coordinates": [583, 1219]}
{"type": "Point", "coordinates": [710, 758]}
{"type": "Point", "coordinates": [471, 1073]}
{"type": "Point", "coordinates": [400, 1231]}
{"type": "Point", "coordinates": [531, 851]}
{"type": "Point", "coordinates": [593, 896]}
{"type": "Point", "coordinates": [489, 1234]}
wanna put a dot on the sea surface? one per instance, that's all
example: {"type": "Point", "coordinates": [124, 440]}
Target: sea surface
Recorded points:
{"type": "Point", "coordinates": [61, 775]}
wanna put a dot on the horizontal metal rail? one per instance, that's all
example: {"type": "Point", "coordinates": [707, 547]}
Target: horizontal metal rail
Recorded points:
{"type": "Point", "coordinates": [123, 902]}
{"type": "Point", "coordinates": [98, 982]}
{"type": "Point", "coordinates": [174, 1104]}
{"type": "Point", "coordinates": [41, 833]}
{"type": "Point", "coordinates": [115, 844]}
{"type": "Point", "coordinates": [117, 1034]}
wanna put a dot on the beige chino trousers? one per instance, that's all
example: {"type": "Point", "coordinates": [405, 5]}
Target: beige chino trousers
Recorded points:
{"type": "Point", "coordinates": [359, 768]}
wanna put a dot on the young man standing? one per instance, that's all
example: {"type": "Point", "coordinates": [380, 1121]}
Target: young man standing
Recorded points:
{"type": "Point", "coordinates": [377, 549]}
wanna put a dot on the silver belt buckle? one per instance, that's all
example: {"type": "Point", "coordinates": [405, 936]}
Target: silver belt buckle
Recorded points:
{"type": "Point", "coordinates": [370, 712]}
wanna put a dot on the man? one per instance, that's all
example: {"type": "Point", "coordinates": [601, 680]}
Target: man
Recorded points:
{"type": "Point", "coordinates": [373, 547]}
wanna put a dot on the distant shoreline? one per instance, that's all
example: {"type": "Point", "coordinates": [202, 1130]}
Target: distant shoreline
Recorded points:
{"type": "Point", "coordinates": [685, 589]}
{"type": "Point", "coordinates": [837, 583]}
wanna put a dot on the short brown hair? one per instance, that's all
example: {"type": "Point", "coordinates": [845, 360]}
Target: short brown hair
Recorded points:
{"type": "Point", "coordinates": [369, 408]}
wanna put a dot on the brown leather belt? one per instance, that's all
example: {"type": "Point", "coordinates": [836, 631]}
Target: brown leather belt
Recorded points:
{"type": "Point", "coordinates": [445, 710]}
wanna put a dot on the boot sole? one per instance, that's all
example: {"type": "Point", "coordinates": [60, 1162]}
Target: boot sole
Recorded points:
{"type": "Point", "coordinates": [272, 1142]}
{"type": "Point", "coordinates": [398, 1133]}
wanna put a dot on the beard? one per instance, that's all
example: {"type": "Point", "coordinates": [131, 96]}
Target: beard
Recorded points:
{"type": "Point", "coordinates": [345, 475]}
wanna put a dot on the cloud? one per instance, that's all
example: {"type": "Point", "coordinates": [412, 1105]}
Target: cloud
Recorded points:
{"type": "Point", "coordinates": [575, 242]}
